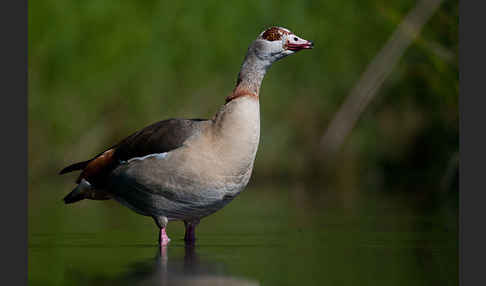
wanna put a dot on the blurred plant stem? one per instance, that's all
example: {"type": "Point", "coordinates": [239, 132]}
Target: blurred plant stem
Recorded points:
{"type": "Point", "coordinates": [372, 79]}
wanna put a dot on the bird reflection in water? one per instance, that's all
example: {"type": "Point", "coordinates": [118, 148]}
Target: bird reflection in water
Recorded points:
{"type": "Point", "coordinates": [178, 271]}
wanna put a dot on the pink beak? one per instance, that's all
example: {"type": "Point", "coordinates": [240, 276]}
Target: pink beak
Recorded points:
{"type": "Point", "coordinates": [298, 47]}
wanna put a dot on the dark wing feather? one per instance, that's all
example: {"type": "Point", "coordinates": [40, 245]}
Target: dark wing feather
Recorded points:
{"type": "Point", "coordinates": [160, 137]}
{"type": "Point", "coordinates": [75, 167]}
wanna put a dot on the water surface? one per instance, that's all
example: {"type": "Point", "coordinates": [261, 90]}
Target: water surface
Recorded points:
{"type": "Point", "coordinates": [266, 236]}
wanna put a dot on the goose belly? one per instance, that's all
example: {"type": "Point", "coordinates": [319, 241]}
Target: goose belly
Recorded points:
{"type": "Point", "coordinates": [151, 187]}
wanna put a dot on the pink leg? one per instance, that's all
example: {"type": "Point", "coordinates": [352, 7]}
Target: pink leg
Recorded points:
{"type": "Point", "coordinates": [164, 239]}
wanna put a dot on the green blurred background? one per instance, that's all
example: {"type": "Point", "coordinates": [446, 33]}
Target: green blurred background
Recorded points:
{"type": "Point", "coordinates": [100, 70]}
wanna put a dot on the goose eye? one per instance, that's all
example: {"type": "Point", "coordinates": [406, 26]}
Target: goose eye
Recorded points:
{"type": "Point", "coordinates": [295, 39]}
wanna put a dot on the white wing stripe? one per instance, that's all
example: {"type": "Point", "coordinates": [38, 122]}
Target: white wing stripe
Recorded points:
{"type": "Point", "coordinates": [156, 155]}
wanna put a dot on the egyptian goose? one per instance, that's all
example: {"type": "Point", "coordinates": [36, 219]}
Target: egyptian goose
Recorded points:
{"type": "Point", "coordinates": [187, 169]}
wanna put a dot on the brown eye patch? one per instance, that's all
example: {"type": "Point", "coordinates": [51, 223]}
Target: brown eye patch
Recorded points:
{"type": "Point", "coordinates": [274, 34]}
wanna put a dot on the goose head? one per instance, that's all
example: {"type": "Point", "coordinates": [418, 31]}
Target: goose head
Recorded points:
{"type": "Point", "coordinates": [276, 43]}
